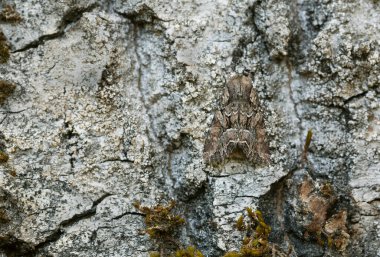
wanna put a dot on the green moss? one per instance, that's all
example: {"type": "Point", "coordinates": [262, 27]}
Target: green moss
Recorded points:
{"type": "Point", "coordinates": [232, 254]}
{"type": "Point", "coordinates": [6, 89]}
{"type": "Point", "coordinates": [154, 254]}
{"type": "Point", "coordinates": [9, 14]}
{"type": "Point", "coordinates": [307, 145]}
{"type": "Point", "coordinates": [3, 157]}
{"type": "Point", "coordinates": [240, 223]}
{"type": "Point", "coordinates": [4, 48]}
{"type": "Point", "coordinates": [327, 190]}
{"type": "Point", "coordinates": [190, 251]}
{"type": "Point", "coordinates": [256, 244]}
{"type": "Point", "coordinates": [161, 223]}
{"type": "Point", "coordinates": [3, 216]}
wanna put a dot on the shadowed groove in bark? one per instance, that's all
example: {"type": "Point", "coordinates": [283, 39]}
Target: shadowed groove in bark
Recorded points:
{"type": "Point", "coordinates": [66, 223]}
{"type": "Point", "coordinates": [70, 17]}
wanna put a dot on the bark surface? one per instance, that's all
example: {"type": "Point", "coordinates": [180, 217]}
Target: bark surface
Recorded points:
{"type": "Point", "coordinates": [111, 101]}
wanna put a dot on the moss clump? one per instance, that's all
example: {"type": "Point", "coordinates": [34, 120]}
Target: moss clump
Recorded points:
{"type": "Point", "coordinates": [154, 254]}
{"type": "Point", "coordinates": [162, 225]}
{"type": "Point", "coordinates": [190, 251]}
{"type": "Point", "coordinates": [255, 243]}
{"type": "Point", "coordinates": [4, 48]}
{"type": "Point", "coordinates": [9, 14]}
{"type": "Point", "coordinates": [6, 89]}
{"type": "Point", "coordinates": [3, 157]}
{"type": "Point", "coordinates": [160, 221]}
{"type": "Point", "coordinates": [232, 254]}
{"type": "Point", "coordinates": [13, 173]}
{"type": "Point", "coordinates": [327, 190]}
{"type": "Point", "coordinates": [3, 216]}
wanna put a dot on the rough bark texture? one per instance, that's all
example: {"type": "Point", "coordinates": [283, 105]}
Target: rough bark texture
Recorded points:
{"type": "Point", "coordinates": [113, 101]}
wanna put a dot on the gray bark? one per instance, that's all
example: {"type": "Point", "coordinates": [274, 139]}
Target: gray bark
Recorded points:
{"type": "Point", "coordinates": [113, 100]}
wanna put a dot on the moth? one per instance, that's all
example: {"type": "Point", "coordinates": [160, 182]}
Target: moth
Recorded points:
{"type": "Point", "coordinates": [237, 129]}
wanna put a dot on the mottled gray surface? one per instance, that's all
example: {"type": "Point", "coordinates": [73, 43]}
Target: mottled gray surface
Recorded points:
{"type": "Point", "coordinates": [114, 99]}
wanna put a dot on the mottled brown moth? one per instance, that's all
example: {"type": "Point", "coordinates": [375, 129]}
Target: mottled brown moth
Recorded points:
{"type": "Point", "coordinates": [237, 130]}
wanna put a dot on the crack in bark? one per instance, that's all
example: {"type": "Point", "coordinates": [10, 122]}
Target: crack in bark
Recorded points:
{"type": "Point", "coordinates": [95, 232]}
{"type": "Point", "coordinates": [58, 232]}
{"type": "Point", "coordinates": [245, 196]}
{"type": "Point", "coordinates": [40, 41]}
{"type": "Point", "coordinates": [373, 201]}
{"type": "Point", "coordinates": [128, 213]}
{"type": "Point", "coordinates": [354, 97]}
{"type": "Point", "coordinates": [15, 247]}
{"type": "Point", "coordinates": [136, 23]}
{"type": "Point", "coordinates": [6, 114]}
{"type": "Point", "coordinates": [14, 112]}
{"type": "Point", "coordinates": [142, 14]}
{"type": "Point", "coordinates": [226, 175]}
{"type": "Point", "coordinates": [70, 134]}
{"type": "Point", "coordinates": [71, 16]}
{"type": "Point", "coordinates": [51, 68]}
{"type": "Point", "coordinates": [219, 176]}
{"type": "Point", "coordinates": [2, 121]}
{"type": "Point", "coordinates": [118, 160]}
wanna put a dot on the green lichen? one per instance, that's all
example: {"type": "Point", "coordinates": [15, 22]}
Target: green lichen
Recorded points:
{"type": "Point", "coordinates": [6, 89]}
{"type": "Point", "coordinates": [4, 48]}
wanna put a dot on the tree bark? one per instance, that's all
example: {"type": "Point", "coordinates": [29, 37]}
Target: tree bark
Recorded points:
{"type": "Point", "coordinates": [114, 99]}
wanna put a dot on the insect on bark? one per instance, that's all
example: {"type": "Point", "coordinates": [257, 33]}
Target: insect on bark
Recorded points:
{"type": "Point", "coordinates": [237, 130]}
